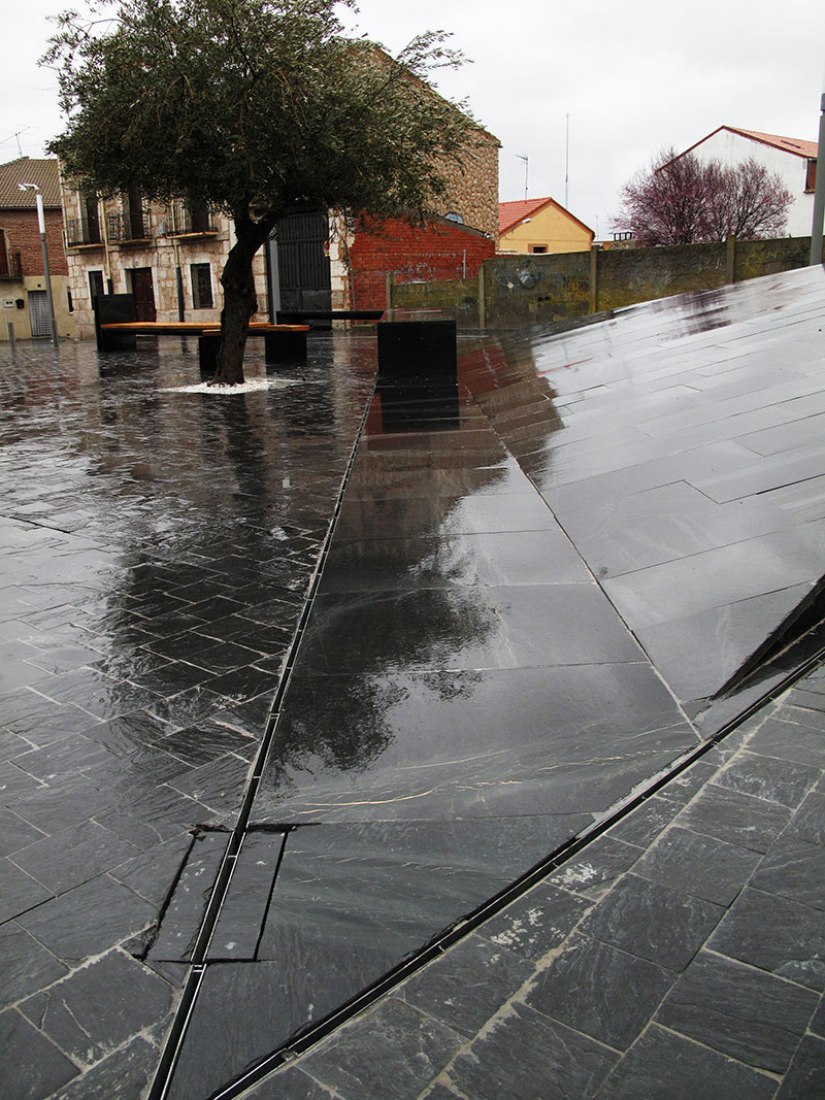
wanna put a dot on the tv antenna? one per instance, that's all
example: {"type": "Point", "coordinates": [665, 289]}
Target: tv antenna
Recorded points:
{"type": "Point", "coordinates": [16, 137]}
{"type": "Point", "coordinates": [526, 160]}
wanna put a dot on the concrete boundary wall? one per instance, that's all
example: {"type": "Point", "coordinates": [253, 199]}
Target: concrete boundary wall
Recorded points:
{"type": "Point", "coordinates": [512, 291]}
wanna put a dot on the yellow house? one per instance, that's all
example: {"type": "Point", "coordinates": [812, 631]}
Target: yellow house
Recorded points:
{"type": "Point", "coordinates": [541, 225]}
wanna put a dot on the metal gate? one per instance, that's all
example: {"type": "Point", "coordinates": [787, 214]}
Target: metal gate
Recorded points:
{"type": "Point", "coordinates": [303, 261]}
{"type": "Point", "coordinates": [39, 319]}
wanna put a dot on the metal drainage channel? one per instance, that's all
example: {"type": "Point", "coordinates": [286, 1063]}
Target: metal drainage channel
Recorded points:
{"type": "Point", "coordinates": [451, 935]}
{"type": "Point", "coordinates": [172, 1048]}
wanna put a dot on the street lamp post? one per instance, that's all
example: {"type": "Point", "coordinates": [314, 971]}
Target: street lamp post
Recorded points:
{"type": "Point", "coordinates": [819, 192]}
{"type": "Point", "coordinates": [41, 221]}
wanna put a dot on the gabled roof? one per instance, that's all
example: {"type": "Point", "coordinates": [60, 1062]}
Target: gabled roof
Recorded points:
{"type": "Point", "coordinates": [797, 147]}
{"type": "Point", "coordinates": [511, 213]}
{"type": "Point", "coordinates": [44, 172]}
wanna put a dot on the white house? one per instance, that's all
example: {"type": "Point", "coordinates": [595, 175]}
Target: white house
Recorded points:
{"type": "Point", "coordinates": [793, 159]}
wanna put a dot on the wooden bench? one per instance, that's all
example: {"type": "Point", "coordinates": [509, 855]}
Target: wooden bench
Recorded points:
{"type": "Point", "coordinates": [282, 343]}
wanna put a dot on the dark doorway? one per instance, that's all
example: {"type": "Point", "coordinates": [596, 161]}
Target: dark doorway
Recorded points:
{"type": "Point", "coordinates": [91, 212]}
{"type": "Point", "coordinates": [96, 284]}
{"type": "Point", "coordinates": [303, 261]}
{"type": "Point", "coordinates": [144, 292]}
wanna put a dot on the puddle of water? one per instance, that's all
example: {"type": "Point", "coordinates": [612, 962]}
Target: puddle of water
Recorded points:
{"type": "Point", "coordinates": [228, 391]}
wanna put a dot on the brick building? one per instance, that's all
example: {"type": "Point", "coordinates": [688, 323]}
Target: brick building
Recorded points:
{"type": "Point", "coordinates": [22, 276]}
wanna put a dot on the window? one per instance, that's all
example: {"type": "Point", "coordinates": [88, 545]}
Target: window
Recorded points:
{"type": "Point", "coordinates": [201, 286]}
{"type": "Point", "coordinates": [95, 284]}
{"type": "Point", "coordinates": [537, 249]}
{"type": "Point", "coordinates": [810, 175]}
{"type": "Point", "coordinates": [197, 218]}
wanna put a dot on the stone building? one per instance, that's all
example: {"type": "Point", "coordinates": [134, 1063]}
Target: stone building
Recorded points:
{"type": "Point", "coordinates": [171, 257]}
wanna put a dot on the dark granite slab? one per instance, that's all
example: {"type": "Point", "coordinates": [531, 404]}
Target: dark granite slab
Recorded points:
{"type": "Point", "coordinates": [37, 1069]}
{"type": "Point", "coordinates": [244, 909]}
{"type": "Point", "coordinates": [493, 627]}
{"type": "Point", "coordinates": [794, 869]}
{"type": "Point", "coordinates": [99, 1007]}
{"type": "Point", "coordinates": [653, 921]}
{"type": "Point", "coordinates": [736, 818]}
{"type": "Point", "coordinates": [536, 923]}
{"type": "Point", "coordinates": [186, 906]}
{"type": "Point", "coordinates": [467, 743]}
{"type": "Point", "coordinates": [27, 965]}
{"type": "Point", "coordinates": [533, 1057]}
{"type": "Point", "coordinates": [501, 558]}
{"type": "Point", "coordinates": [770, 779]}
{"type": "Point", "coordinates": [805, 1080]}
{"type": "Point", "coordinates": [74, 856]}
{"type": "Point", "coordinates": [394, 1043]}
{"type": "Point", "coordinates": [668, 1066]}
{"type": "Point", "coordinates": [128, 1071]}
{"type": "Point", "coordinates": [270, 1002]}
{"type": "Point", "coordinates": [740, 1011]}
{"type": "Point", "coordinates": [698, 865]}
{"type": "Point", "coordinates": [63, 925]}
{"type": "Point", "coordinates": [593, 872]}
{"type": "Point", "coordinates": [467, 985]}
{"type": "Point", "coordinates": [795, 948]}
{"type": "Point", "coordinates": [606, 1013]}
{"type": "Point", "coordinates": [394, 886]}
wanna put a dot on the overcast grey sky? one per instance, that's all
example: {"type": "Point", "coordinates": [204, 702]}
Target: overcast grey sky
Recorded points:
{"type": "Point", "coordinates": [623, 79]}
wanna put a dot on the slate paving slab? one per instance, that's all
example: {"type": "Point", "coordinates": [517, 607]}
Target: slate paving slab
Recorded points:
{"type": "Point", "coordinates": [138, 533]}
{"type": "Point", "coordinates": [95, 724]}
{"type": "Point", "coordinates": [740, 1011]}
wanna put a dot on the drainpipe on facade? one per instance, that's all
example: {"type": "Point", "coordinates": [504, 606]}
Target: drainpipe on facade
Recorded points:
{"type": "Point", "coordinates": [179, 281]}
{"type": "Point", "coordinates": [819, 192]}
{"type": "Point", "coordinates": [107, 264]}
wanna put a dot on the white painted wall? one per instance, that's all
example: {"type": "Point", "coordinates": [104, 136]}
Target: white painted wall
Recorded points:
{"type": "Point", "coordinates": [733, 149]}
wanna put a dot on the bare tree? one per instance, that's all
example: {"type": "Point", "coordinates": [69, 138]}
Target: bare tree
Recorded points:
{"type": "Point", "coordinates": [681, 200]}
{"type": "Point", "coordinates": [746, 201]}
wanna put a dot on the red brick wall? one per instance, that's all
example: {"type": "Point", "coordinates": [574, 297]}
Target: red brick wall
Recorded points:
{"type": "Point", "coordinates": [411, 254]}
{"type": "Point", "coordinates": [23, 236]}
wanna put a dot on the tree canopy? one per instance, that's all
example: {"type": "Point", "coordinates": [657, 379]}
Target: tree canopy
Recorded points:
{"type": "Point", "coordinates": [682, 200]}
{"type": "Point", "coordinates": [258, 108]}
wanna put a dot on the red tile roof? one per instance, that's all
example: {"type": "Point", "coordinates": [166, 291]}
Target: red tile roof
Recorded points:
{"type": "Point", "coordinates": [511, 213]}
{"type": "Point", "coordinates": [798, 146]}
{"type": "Point", "coordinates": [44, 172]}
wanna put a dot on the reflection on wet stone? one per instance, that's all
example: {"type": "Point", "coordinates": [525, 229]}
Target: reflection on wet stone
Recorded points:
{"type": "Point", "coordinates": [154, 552]}
{"type": "Point", "coordinates": [538, 578]}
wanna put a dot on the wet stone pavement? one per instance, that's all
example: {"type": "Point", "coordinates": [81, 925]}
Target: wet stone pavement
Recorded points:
{"type": "Point", "coordinates": [541, 644]}
{"type": "Point", "coordinates": [157, 549]}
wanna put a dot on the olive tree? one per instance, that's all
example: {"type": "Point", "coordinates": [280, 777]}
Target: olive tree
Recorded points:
{"type": "Point", "coordinates": [258, 108]}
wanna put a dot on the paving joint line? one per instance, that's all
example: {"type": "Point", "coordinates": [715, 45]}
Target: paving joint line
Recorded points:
{"type": "Point", "coordinates": [198, 963]}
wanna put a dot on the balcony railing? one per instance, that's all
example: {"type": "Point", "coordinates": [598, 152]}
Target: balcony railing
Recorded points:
{"type": "Point", "coordinates": [79, 233]}
{"type": "Point", "coordinates": [186, 220]}
{"type": "Point", "coordinates": [129, 227]}
{"type": "Point", "coordinates": [11, 266]}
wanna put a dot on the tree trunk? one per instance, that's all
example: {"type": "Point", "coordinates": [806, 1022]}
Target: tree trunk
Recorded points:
{"type": "Point", "coordinates": [240, 301]}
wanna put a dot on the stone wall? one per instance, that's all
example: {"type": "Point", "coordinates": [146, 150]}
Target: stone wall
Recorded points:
{"type": "Point", "coordinates": [512, 291]}
{"type": "Point", "coordinates": [472, 186]}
